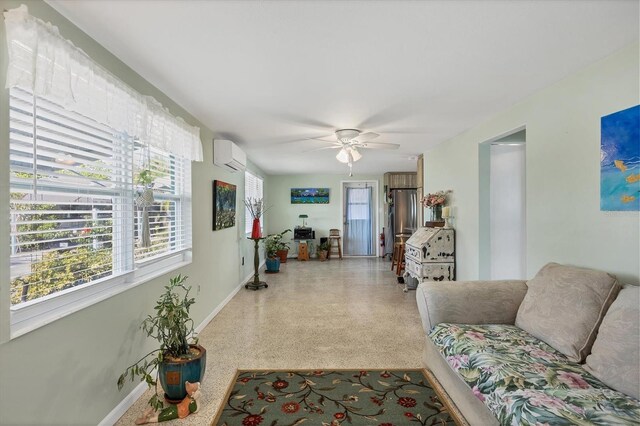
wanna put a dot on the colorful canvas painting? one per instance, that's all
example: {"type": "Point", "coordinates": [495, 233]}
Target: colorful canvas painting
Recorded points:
{"type": "Point", "coordinates": [224, 205]}
{"type": "Point", "coordinates": [620, 161]}
{"type": "Point", "coordinates": [309, 195]}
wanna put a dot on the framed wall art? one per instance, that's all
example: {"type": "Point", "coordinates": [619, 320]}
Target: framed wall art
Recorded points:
{"type": "Point", "coordinates": [620, 160]}
{"type": "Point", "coordinates": [224, 205]}
{"type": "Point", "coordinates": [309, 195]}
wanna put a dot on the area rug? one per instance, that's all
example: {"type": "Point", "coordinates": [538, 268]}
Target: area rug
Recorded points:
{"type": "Point", "coordinates": [336, 397]}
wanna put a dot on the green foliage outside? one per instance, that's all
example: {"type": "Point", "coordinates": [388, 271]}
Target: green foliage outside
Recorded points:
{"type": "Point", "coordinates": [59, 270]}
{"type": "Point", "coordinates": [52, 268]}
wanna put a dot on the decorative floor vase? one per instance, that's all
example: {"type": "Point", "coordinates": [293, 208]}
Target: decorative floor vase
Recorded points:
{"type": "Point", "coordinates": [273, 264]}
{"type": "Point", "coordinates": [174, 373]}
{"type": "Point", "coordinates": [255, 230]}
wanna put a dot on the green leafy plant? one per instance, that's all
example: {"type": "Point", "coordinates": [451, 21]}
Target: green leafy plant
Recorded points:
{"type": "Point", "coordinates": [324, 246]}
{"type": "Point", "coordinates": [273, 243]}
{"type": "Point", "coordinates": [172, 327]}
{"type": "Point", "coordinates": [145, 178]}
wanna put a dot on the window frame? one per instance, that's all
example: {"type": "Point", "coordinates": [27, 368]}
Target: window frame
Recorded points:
{"type": "Point", "coordinates": [33, 314]}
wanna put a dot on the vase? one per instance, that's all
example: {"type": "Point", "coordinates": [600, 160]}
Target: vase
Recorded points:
{"type": "Point", "coordinates": [174, 372]}
{"type": "Point", "coordinates": [436, 213]}
{"type": "Point", "coordinates": [273, 264]}
{"type": "Point", "coordinates": [255, 230]}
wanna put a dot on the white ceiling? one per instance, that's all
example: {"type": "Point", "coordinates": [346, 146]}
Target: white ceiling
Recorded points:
{"type": "Point", "coordinates": [267, 74]}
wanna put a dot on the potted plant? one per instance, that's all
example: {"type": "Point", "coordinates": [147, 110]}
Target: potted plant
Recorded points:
{"type": "Point", "coordinates": [283, 248]}
{"type": "Point", "coordinates": [176, 360]}
{"type": "Point", "coordinates": [323, 250]}
{"type": "Point", "coordinates": [271, 244]}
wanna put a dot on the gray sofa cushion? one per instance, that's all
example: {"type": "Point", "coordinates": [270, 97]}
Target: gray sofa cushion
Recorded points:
{"type": "Point", "coordinates": [564, 306]}
{"type": "Point", "coordinates": [615, 356]}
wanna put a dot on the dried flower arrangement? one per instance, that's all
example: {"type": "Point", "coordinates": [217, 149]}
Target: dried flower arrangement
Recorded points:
{"type": "Point", "coordinates": [436, 199]}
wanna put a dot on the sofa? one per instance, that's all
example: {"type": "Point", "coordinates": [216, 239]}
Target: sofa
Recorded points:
{"type": "Point", "coordinates": [561, 348]}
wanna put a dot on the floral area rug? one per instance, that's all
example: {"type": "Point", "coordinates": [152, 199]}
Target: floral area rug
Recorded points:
{"type": "Point", "coordinates": [336, 397]}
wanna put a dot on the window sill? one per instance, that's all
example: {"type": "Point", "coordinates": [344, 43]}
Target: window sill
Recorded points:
{"type": "Point", "coordinates": [30, 316]}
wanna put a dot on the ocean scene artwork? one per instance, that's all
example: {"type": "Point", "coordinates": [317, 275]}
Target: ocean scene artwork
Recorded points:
{"type": "Point", "coordinates": [620, 161]}
{"type": "Point", "coordinates": [309, 195]}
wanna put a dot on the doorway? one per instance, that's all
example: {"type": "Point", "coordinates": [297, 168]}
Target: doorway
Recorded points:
{"type": "Point", "coordinates": [359, 218]}
{"type": "Point", "coordinates": [503, 217]}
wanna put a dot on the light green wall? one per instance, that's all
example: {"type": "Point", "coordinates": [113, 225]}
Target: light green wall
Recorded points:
{"type": "Point", "coordinates": [564, 221]}
{"type": "Point", "coordinates": [66, 371]}
{"type": "Point", "coordinates": [322, 217]}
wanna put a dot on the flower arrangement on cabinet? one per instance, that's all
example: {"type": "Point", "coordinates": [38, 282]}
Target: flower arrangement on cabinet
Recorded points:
{"type": "Point", "coordinates": [435, 201]}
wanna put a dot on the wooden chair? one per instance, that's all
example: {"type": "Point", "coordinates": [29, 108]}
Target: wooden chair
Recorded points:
{"type": "Point", "coordinates": [397, 257]}
{"type": "Point", "coordinates": [335, 242]}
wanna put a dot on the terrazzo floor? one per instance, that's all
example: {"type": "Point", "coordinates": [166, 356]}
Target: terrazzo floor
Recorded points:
{"type": "Point", "coordinates": [348, 313]}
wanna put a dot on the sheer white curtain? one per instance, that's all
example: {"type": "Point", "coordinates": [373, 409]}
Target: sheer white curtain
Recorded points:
{"type": "Point", "coordinates": [44, 63]}
{"type": "Point", "coordinates": [359, 218]}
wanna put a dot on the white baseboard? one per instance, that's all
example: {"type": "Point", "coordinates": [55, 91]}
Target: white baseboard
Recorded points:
{"type": "Point", "coordinates": [124, 405]}
{"type": "Point", "coordinates": [222, 304]}
{"type": "Point", "coordinates": [137, 392]}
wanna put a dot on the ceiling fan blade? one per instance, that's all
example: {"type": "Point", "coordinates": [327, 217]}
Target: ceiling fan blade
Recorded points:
{"type": "Point", "coordinates": [379, 145]}
{"type": "Point", "coordinates": [407, 131]}
{"type": "Point", "coordinates": [367, 136]}
{"type": "Point", "coordinates": [324, 147]}
{"type": "Point", "coordinates": [324, 139]}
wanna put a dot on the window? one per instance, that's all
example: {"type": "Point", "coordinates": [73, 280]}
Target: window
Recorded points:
{"type": "Point", "coordinates": [74, 221]}
{"type": "Point", "coordinates": [100, 179]}
{"type": "Point", "coordinates": [253, 190]}
{"type": "Point", "coordinates": [170, 216]}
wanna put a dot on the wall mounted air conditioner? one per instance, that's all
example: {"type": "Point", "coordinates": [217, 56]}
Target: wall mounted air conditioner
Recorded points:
{"type": "Point", "coordinates": [229, 155]}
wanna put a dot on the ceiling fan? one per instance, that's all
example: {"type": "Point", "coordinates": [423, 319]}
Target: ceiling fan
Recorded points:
{"type": "Point", "coordinates": [349, 141]}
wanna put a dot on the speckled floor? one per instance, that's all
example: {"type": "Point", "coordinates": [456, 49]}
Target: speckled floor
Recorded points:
{"type": "Point", "coordinates": [335, 314]}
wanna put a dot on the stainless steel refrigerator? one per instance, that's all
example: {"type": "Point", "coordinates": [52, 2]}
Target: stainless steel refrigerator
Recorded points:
{"type": "Point", "coordinates": [402, 216]}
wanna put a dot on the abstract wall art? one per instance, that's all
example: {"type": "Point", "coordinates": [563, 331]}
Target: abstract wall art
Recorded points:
{"type": "Point", "coordinates": [224, 205]}
{"type": "Point", "coordinates": [620, 161]}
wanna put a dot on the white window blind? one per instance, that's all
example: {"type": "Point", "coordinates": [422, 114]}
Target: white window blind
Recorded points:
{"type": "Point", "coordinates": [252, 189]}
{"type": "Point", "coordinates": [73, 219]}
{"type": "Point", "coordinates": [169, 217]}
{"type": "Point", "coordinates": [71, 192]}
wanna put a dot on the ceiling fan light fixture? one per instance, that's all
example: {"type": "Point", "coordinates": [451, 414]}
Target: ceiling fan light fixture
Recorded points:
{"type": "Point", "coordinates": [355, 154]}
{"type": "Point", "coordinates": [348, 155]}
{"type": "Point", "coordinates": [343, 156]}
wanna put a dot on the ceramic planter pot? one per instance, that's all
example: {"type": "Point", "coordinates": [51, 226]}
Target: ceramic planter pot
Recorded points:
{"type": "Point", "coordinates": [282, 254]}
{"type": "Point", "coordinates": [273, 265]}
{"type": "Point", "coordinates": [173, 374]}
{"type": "Point", "coordinates": [322, 255]}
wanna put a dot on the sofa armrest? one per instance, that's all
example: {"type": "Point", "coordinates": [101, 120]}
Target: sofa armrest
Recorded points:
{"type": "Point", "coordinates": [469, 302]}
